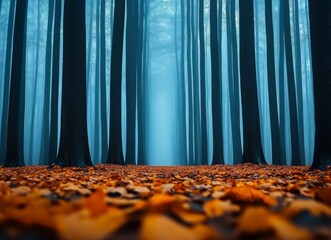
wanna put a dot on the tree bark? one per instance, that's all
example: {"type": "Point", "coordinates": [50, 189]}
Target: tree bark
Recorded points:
{"type": "Point", "coordinates": [275, 137]}
{"type": "Point", "coordinates": [53, 143]}
{"type": "Point", "coordinates": [74, 149]}
{"type": "Point", "coordinates": [5, 104]}
{"type": "Point", "coordinates": [44, 153]}
{"type": "Point", "coordinates": [252, 137]}
{"type": "Point", "coordinates": [204, 142]}
{"type": "Point", "coordinates": [115, 152]}
{"type": "Point", "coordinates": [298, 74]}
{"type": "Point", "coordinates": [131, 89]}
{"type": "Point", "coordinates": [320, 32]}
{"type": "Point", "coordinates": [218, 157]}
{"type": "Point", "coordinates": [15, 136]}
{"type": "Point", "coordinates": [291, 86]}
{"type": "Point", "coordinates": [103, 94]}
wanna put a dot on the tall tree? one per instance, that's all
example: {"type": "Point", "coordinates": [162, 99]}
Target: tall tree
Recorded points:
{"type": "Point", "coordinates": [275, 137]}
{"type": "Point", "coordinates": [298, 75]}
{"type": "Point", "coordinates": [181, 90]}
{"type": "Point", "coordinates": [45, 132]}
{"type": "Point", "coordinates": [15, 135]}
{"type": "Point", "coordinates": [235, 106]}
{"type": "Point", "coordinates": [291, 85]}
{"type": "Point", "coordinates": [103, 94]}
{"type": "Point", "coordinates": [34, 96]}
{"type": "Point", "coordinates": [320, 32]}
{"type": "Point", "coordinates": [142, 75]}
{"type": "Point", "coordinates": [204, 143]}
{"type": "Point", "coordinates": [53, 141]}
{"type": "Point", "coordinates": [115, 152]}
{"type": "Point", "coordinates": [189, 81]}
{"type": "Point", "coordinates": [96, 149]}
{"type": "Point", "coordinates": [218, 157]}
{"type": "Point", "coordinates": [74, 149]}
{"type": "Point", "coordinates": [131, 81]}
{"type": "Point", "coordinates": [281, 74]}
{"type": "Point", "coordinates": [91, 118]}
{"type": "Point", "coordinates": [196, 128]}
{"type": "Point", "coordinates": [252, 138]}
{"type": "Point", "coordinates": [8, 63]}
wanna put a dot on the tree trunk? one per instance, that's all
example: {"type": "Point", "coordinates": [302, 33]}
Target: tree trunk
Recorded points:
{"type": "Point", "coordinates": [196, 98]}
{"type": "Point", "coordinates": [252, 137]}
{"type": "Point", "coordinates": [204, 143]}
{"type": "Point", "coordinates": [182, 92]}
{"type": "Point", "coordinates": [97, 116]}
{"type": "Point", "coordinates": [235, 110]}
{"type": "Point", "coordinates": [189, 82]}
{"type": "Point", "coordinates": [291, 86]}
{"type": "Point", "coordinates": [74, 149]}
{"type": "Point", "coordinates": [115, 152]}
{"type": "Point", "coordinates": [298, 74]}
{"type": "Point", "coordinates": [103, 94]}
{"type": "Point", "coordinates": [15, 136]}
{"type": "Point", "coordinates": [131, 57]}
{"type": "Point", "coordinates": [142, 72]}
{"type": "Point", "coordinates": [53, 142]}
{"type": "Point", "coordinates": [320, 32]}
{"type": "Point", "coordinates": [44, 153]}
{"type": "Point", "coordinates": [34, 96]}
{"type": "Point", "coordinates": [275, 137]}
{"type": "Point", "coordinates": [216, 87]}
{"type": "Point", "coordinates": [281, 86]}
{"type": "Point", "coordinates": [5, 104]}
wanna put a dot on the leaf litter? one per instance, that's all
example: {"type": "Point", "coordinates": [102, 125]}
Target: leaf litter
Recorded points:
{"type": "Point", "coordinates": [144, 202]}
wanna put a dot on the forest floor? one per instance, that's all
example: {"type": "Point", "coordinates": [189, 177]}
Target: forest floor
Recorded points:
{"type": "Point", "coordinates": [143, 202]}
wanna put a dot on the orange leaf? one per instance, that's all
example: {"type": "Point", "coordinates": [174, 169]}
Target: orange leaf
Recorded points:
{"type": "Point", "coordinates": [160, 227]}
{"type": "Point", "coordinates": [249, 195]}
{"type": "Point", "coordinates": [216, 208]}
{"type": "Point", "coordinates": [258, 219]}
{"type": "Point", "coordinates": [81, 226]}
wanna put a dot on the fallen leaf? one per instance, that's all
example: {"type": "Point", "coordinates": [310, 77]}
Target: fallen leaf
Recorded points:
{"type": "Point", "coordinates": [249, 195]}
{"type": "Point", "coordinates": [258, 219]}
{"type": "Point", "coordinates": [218, 194]}
{"type": "Point", "coordinates": [324, 195]}
{"type": "Point", "coordinates": [21, 190]}
{"type": "Point", "coordinates": [205, 232]}
{"type": "Point", "coordinates": [314, 207]}
{"type": "Point", "coordinates": [121, 201]}
{"type": "Point", "coordinates": [166, 188]}
{"type": "Point", "coordinates": [188, 216]}
{"type": "Point", "coordinates": [160, 227]}
{"type": "Point", "coordinates": [216, 208]}
{"type": "Point", "coordinates": [81, 226]}
{"type": "Point", "coordinates": [142, 191]}
{"type": "Point", "coordinates": [96, 203]}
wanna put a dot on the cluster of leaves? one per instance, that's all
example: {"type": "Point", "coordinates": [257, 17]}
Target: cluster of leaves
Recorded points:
{"type": "Point", "coordinates": [141, 202]}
